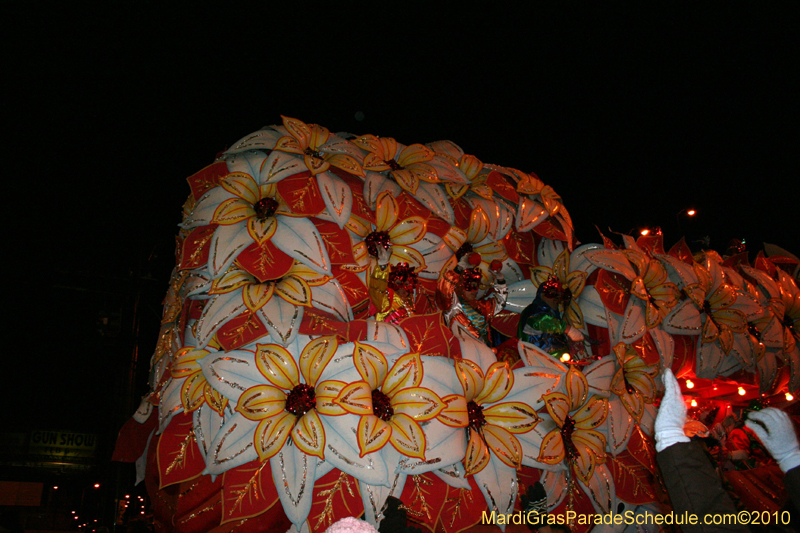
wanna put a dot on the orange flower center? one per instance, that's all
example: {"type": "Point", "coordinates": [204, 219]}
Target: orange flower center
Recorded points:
{"type": "Point", "coordinates": [381, 406]}
{"type": "Point", "coordinates": [301, 399]}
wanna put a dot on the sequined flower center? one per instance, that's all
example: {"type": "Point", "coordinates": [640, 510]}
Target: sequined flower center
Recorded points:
{"type": "Point", "coordinates": [265, 208]}
{"type": "Point", "coordinates": [475, 413]}
{"type": "Point", "coordinates": [301, 399]}
{"type": "Point", "coordinates": [566, 437]}
{"type": "Point", "coordinates": [394, 165]}
{"type": "Point", "coordinates": [381, 406]}
{"type": "Point", "coordinates": [376, 239]}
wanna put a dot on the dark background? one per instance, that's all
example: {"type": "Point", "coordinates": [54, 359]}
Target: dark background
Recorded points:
{"type": "Point", "coordinates": [632, 114]}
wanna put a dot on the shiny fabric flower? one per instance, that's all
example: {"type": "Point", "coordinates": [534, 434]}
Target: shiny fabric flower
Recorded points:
{"type": "Point", "coordinates": [390, 402]}
{"type": "Point", "coordinates": [492, 422]}
{"type": "Point", "coordinates": [407, 165]}
{"type": "Point", "coordinates": [477, 238]}
{"type": "Point", "coordinates": [576, 438]}
{"type": "Point", "coordinates": [195, 390]}
{"type": "Point", "coordinates": [400, 234]}
{"type": "Point", "coordinates": [472, 167]}
{"type": "Point", "coordinates": [312, 142]}
{"type": "Point", "coordinates": [286, 406]}
{"type": "Point", "coordinates": [634, 380]}
{"type": "Point", "coordinates": [250, 206]}
{"type": "Point", "coordinates": [571, 281]}
{"type": "Point", "coordinates": [652, 287]}
{"type": "Point", "coordinates": [237, 291]}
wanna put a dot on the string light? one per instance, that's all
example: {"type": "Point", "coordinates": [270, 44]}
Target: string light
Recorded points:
{"type": "Point", "coordinates": [742, 392]}
{"type": "Point", "coordinates": [689, 384]}
{"type": "Point", "coordinates": [566, 357]}
{"type": "Point", "coordinates": [694, 403]}
{"type": "Point", "coordinates": [645, 232]}
{"type": "Point", "coordinates": [789, 397]}
{"type": "Point", "coordinates": [691, 212]}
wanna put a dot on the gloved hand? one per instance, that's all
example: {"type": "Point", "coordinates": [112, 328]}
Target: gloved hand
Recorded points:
{"type": "Point", "coordinates": [470, 260]}
{"type": "Point", "coordinates": [671, 414]}
{"type": "Point", "coordinates": [574, 334]}
{"type": "Point", "coordinates": [778, 438]}
{"type": "Point", "coordinates": [384, 254]}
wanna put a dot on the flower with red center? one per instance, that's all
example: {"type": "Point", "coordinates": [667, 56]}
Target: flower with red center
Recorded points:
{"type": "Point", "coordinates": [390, 402]}
{"type": "Point", "coordinates": [312, 142]}
{"type": "Point", "coordinates": [287, 407]}
{"type": "Point", "coordinates": [633, 381]}
{"type": "Point", "coordinates": [576, 438]}
{"type": "Point", "coordinates": [389, 231]}
{"type": "Point", "coordinates": [406, 164]}
{"type": "Point", "coordinates": [569, 285]}
{"type": "Point", "coordinates": [492, 422]}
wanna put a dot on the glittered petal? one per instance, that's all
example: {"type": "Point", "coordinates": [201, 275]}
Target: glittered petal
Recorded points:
{"type": "Point", "coordinates": [557, 406]}
{"type": "Point", "coordinates": [407, 436]}
{"type": "Point", "coordinates": [231, 281]}
{"type": "Point", "coordinates": [216, 314]}
{"type": "Point", "coordinates": [282, 319]}
{"type": "Point", "coordinates": [316, 355]}
{"type": "Point", "coordinates": [300, 239]}
{"type": "Point", "coordinates": [257, 294]}
{"type": "Point", "coordinates": [455, 412]}
{"type": "Point", "coordinates": [231, 211]}
{"type": "Point", "coordinates": [299, 130]}
{"type": "Point", "coordinates": [192, 392]}
{"type": "Point", "coordinates": [584, 464]}
{"type": "Point", "coordinates": [347, 163]}
{"type": "Point", "coordinates": [407, 231]}
{"type": "Point", "coordinates": [471, 378]}
{"type": "Point", "coordinates": [309, 435]}
{"type": "Point", "coordinates": [261, 230]}
{"type": "Point", "coordinates": [326, 393]}
{"type": "Point", "coordinates": [404, 254]}
{"type": "Point", "coordinates": [477, 454]}
{"type": "Point", "coordinates": [515, 417]}
{"type": "Point", "coordinates": [232, 446]}
{"type": "Point", "coordinates": [272, 433]}
{"type": "Point", "coordinates": [372, 434]}
{"type": "Point", "coordinates": [242, 185]}
{"type": "Point", "coordinates": [186, 362]}
{"type": "Point", "coordinates": [710, 331]}
{"type": "Point", "coordinates": [385, 212]}
{"type": "Point", "coordinates": [552, 451]}
{"type": "Point", "coordinates": [593, 414]}
{"type": "Point", "coordinates": [337, 197]}
{"type": "Point", "coordinates": [505, 446]}
{"type": "Point", "coordinates": [406, 372]}
{"type": "Point", "coordinates": [418, 403]}
{"type": "Point", "coordinates": [733, 319]}
{"type": "Point", "coordinates": [478, 225]}
{"type": "Point", "coordinates": [226, 244]}
{"type": "Point", "coordinates": [277, 365]}
{"type": "Point", "coordinates": [371, 364]}
{"type": "Point", "coordinates": [684, 319]}
{"type": "Point", "coordinates": [260, 402]}
{"type": "Point", "coordinates": [355, 398]}
{"type": "Point", "coordinates": [406, 179]}
{"type": "Point", "coordinates": [498, 381]}
{"type": "Point", "coordinates": [577, 388]}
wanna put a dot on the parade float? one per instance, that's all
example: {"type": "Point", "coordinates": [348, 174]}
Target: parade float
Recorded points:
{"type": "Point", "coordinates": [351, 318]}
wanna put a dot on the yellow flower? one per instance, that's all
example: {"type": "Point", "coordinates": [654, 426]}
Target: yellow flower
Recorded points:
{"type": "Point", "coordinates": [722, 320]}
{"type": "Point", "coordinates": [399, 233]}
{"type": "Point", "coordinates": [195, 390]}
{"type": "Point", "coordinates": [294, 286]}
{"type": "Point", "coordinates": [492, 425]}
{"type": "Point", "coordinates": [576, 439]}
{"type": "Point", "coordinates": [390, 402]}
{"type": "Point", "coordinates": [285, 406]}
{"type": "Point", "coordinates": [309, 141]}
{"type": "Point", "coordinates": [472, 168]}
{"type": "Point", "coordinates": [406, 165]}
{"type": "Point", "coordinates": [574, 283]}
{"type": "Point", "coordinates": [633, 382]}
{"type": "Point", "coordinates": [249, 202]}
{"type": "Point", "coordinates": [650, 285]}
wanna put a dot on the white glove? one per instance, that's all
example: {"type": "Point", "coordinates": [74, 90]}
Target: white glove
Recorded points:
{"type": "Point", "coordinates": [384, 254]}
{"type": "Point", "coordinates": [779, 438]}
{"type": "Point", "coordinates": [574, 334]}
{"type": "Point", "coordinates": [671, 415]}
{"type": "Point", "coordinates": [463, 263]}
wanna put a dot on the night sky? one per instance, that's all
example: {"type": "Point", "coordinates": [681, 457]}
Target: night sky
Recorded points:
{"type": "Point", "coordinates": [631, 115]}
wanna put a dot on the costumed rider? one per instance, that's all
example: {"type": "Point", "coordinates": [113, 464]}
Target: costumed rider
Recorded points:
{"type": "Point", "coordinates": [457, 295]}
{"type": "Point", "coordinates": [392, 289]}
{"type": "Point", "coordinates": [541, 322]}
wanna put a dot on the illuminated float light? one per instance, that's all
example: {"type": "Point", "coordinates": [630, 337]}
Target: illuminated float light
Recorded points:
{"type": "Point", "coordinates": [127, 496]}
{"type": "Point", "coordinates": [691, 212]}
{"type": "Point", "coordinates": [694, 403]}
{"type": "Point", "coordinates": [97, 485]}
{"type": "Point", "coordinates": [789, 397]}
{"type": "Point", "coordinates": [566, 357]}
{"type": "Point", "coordinates": [689, 384]}
{"type": "Point", "coordinates": [645, 232]}
{"type": "Point", "coordinates": [55, 487]}
{"type": "Point", "coordinates": [742, 392]}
